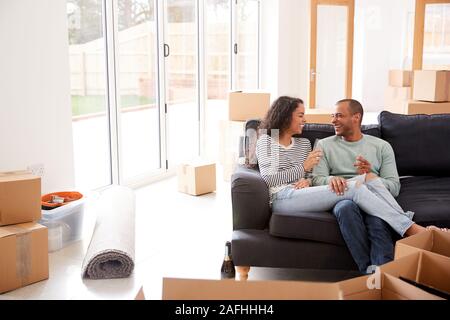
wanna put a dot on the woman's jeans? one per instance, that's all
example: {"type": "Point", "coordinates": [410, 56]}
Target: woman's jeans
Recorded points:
{"type": "Point", "coordinates": [372, 197]}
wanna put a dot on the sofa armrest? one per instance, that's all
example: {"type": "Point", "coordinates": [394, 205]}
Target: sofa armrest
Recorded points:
{"type": "Point", "coordinates": [250, 199]}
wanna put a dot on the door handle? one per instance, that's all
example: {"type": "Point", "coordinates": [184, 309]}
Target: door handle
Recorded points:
{"type": "Point", "coordinates": [166, 50]}
{"type": "Point", "coordinates": [312, 75]}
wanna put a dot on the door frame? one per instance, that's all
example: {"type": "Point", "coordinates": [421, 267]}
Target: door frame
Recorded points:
{"type": "Point", "coordinates": [350, 4]}
{"type": "Point", "coordinates": [419, 29]}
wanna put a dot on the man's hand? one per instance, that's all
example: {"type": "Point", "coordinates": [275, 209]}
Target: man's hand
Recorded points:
{"type": "Point", "coordinates": [362, 165]}
{"type": "Point", "coordinates": [302, 183]}
{"type": "Point", "coordinates": [338, 185]}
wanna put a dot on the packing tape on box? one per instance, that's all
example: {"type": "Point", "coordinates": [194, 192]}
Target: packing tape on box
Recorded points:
{"type": "Point", "coordinates": [23, 253]}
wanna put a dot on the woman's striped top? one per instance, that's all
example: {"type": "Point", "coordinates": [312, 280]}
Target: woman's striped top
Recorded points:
{"type": "Point", "coordinates": [279, 165]}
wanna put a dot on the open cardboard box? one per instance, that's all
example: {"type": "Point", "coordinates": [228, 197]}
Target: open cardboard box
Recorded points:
{"type": "Point", "coordinates": [412, 262]}
{"type": "Point", "coordinates": [432, 240]}
{"type": "Point", "coordinates": [193, 289]}
{"type": "Point", "coordinates": [423, 267]}
{"type": "Point", "coordinates": [381, 286]}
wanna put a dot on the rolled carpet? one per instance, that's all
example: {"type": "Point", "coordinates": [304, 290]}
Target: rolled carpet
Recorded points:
{"type": "Point", "coordinates": [111, 251]}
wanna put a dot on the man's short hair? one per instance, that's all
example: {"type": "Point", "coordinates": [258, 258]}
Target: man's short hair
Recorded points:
{"type": "Point", "coordinates": [354, 106]}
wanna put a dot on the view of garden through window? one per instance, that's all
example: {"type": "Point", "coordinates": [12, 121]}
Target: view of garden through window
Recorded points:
{"type": "Point", "coordinates": [137, 77]}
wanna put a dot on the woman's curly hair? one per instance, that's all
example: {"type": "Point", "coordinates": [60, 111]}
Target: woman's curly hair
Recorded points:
{"type": "Point", "coordinates": [280, 113]}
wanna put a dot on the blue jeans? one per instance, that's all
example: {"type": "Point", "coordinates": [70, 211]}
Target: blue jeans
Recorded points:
{"type": "Point", "coordinates": [368, 238]}
{"type": "Point", "coordinates": [371, 196]}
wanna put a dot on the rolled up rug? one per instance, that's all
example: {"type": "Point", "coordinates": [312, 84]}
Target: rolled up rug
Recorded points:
{"type": "Point", "coordinates": [111, 250]}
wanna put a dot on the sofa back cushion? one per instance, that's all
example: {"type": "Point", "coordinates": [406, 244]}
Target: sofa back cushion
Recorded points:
{"type": "Point", "coordinates": [420, 142]}
{"type": "Point", "coordinates": [311, 131]}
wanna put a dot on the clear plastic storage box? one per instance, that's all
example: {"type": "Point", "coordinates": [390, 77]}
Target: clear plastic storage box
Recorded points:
{"type": "Point", "coordinates": [64, 223]}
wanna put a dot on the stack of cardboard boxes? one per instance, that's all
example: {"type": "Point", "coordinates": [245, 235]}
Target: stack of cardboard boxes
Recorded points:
{"type": "Point", "coordinates": [418, 92]}
{"type": "Point", "coordinates": [421, 270]}
{"type": "Point", "coordinates": [23, 242]}
{"type": "Point", "coordinates": [398, 93]}
{"type": "Point", "coordinates": [242, 106]}
{"type": "Point", "coordinates": [431, 92]}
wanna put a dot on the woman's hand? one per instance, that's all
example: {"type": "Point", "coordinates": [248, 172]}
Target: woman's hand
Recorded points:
{"type": "Point", "coordinates": [302, 183]}
{"type": "Point", "coordinates": [312, 160]}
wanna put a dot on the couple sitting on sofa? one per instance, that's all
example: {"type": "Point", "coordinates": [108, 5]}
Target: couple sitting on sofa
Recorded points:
{"type": "Point", "coordinates": [349, 171]}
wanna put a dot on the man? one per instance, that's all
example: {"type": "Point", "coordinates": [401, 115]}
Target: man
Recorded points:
{"type": "Point", "coordinates": [345, 155]}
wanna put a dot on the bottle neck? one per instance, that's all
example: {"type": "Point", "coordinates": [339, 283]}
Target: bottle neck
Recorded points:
{"type": "Point", "coordinates": [227, 252]}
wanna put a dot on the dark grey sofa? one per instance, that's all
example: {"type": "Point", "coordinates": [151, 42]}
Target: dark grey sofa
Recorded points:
{"type": "Point", "coordinates": [312, 240]}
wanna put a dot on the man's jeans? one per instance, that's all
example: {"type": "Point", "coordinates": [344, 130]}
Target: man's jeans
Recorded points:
{"type": "Point", "coordinates": [368, 238]}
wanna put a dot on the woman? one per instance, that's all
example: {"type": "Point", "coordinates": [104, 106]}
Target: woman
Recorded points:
{"type": "Point", "coordinates": [285, 163]}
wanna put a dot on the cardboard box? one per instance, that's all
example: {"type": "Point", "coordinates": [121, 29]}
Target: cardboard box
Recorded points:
{"type": "Point", "coordinates": [24, 255]}
{"type": "Point", "coordinates": [421, 107]}
{"type": "Point", "coordinates": [318, 115]}
{"type": "Point", "coordinates": [197, 177]}
{"type": "Point", "coordinates": [20, 197]}
{"type": "Point", "coordinates": [432, 240]}
{"type": "Point", "coordinates": [396, 99]}
{"type": "Point", "coordinates": [431, 85]}
{"type": "Point", "coordinates": [231, 133]}
{"type": "Point", "coordinates": [400, 78]}
{"type": "Point", "coordinates": [193, 289]}
{"type": "Point", "coordinates": [423, 267]}
{"type": "Point", "coordinates": [140, 295]}
{"type": "Point", "coordinates": [243, 106]}
{"type": "Point", "coordinates": [386, 287]}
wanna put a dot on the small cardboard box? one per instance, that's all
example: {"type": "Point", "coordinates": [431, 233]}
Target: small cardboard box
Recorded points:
{"type": "Point", "coordinates": [423, 267]}
{"type": "Point", "coordinates": [243, 106]}
{"type": "Point", "coordinates": [396, 99]}
{"type": "Point", "coordinates": [193, 289]}
{"type": "Point", "coordinates": [431, 85]}
{"type": "Point", "coordinates": [20, 197]}
{"type": "Point", "coordinates": [400, 78]}
{"type": "Point", "coordinates": [197, 178]}
{"type": "Point", "coordinates": [24, 255]}
{"type": "Point", "coordinates": [432, 240]}
{"type": "Point", "coordinates": [421, 107]}
{"type": "Point", "coordinates": [381, 286]}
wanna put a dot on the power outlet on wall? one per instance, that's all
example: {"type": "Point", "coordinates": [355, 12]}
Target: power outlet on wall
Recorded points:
{"type": "Point", "coordinates": [36, 169]}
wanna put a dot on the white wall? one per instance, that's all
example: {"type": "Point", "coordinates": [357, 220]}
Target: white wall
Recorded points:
{"type": "Point", "coordinates": [285, 47]}
{"type": "Point", "coordinates": [35, 115]}
{"type": "Point", "coordinates": [380, 44]}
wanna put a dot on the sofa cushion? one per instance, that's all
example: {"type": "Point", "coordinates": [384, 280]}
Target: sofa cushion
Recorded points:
{"type": "Point", "coordinates": [428, 198]}
{"type": "Point", "coordinates": [420, 142]}
{"type": "Point", "coordinates": [313, 131]}
{"type": "Point", "coordinates": [317, 226]}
